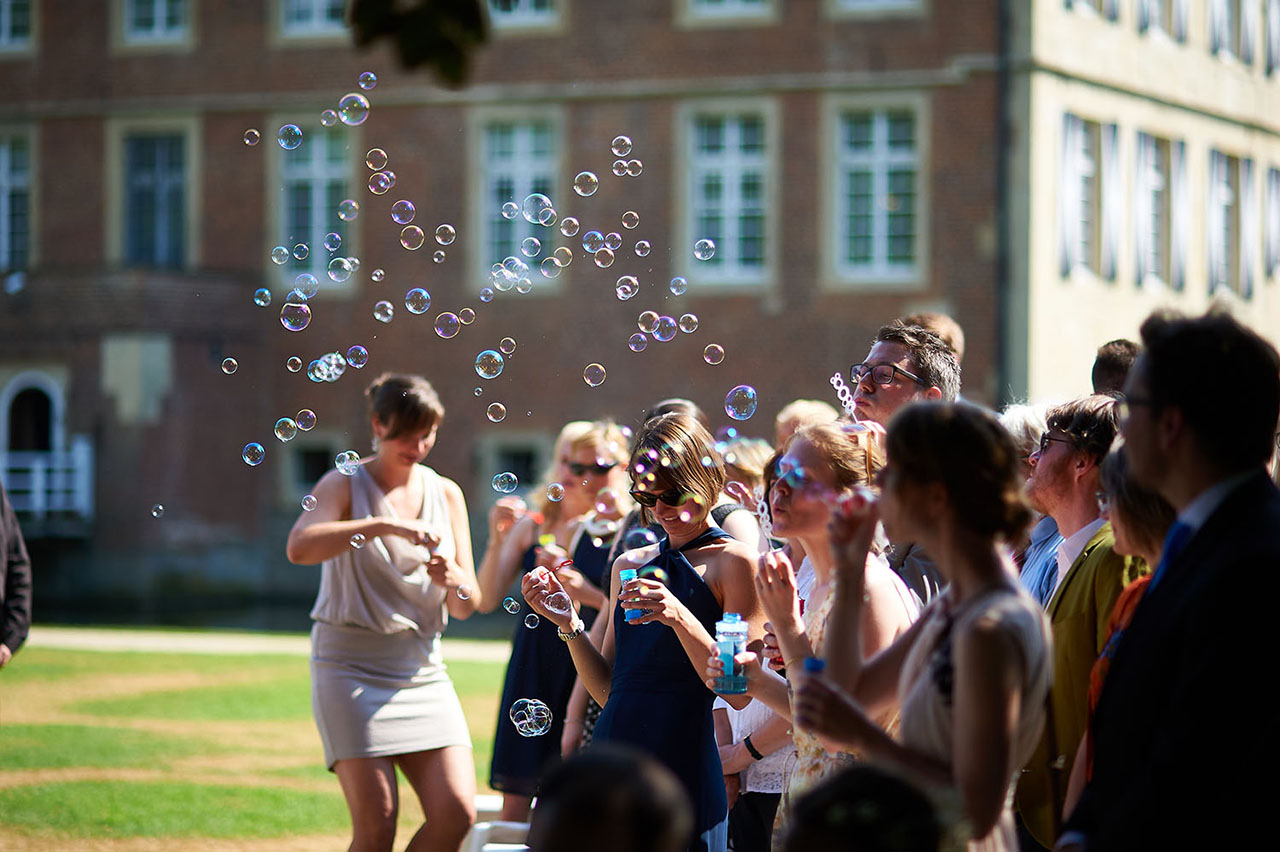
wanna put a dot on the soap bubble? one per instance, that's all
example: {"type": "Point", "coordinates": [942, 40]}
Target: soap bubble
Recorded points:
{"type": "Point", "coordinates": [558, 602]}
{"type": "Point", "coordinates": [505, 483]}
{"type": "Point", "coordinates": [357, 541]}
{"type": "Point", "coordinates": [251, 137]}
{"type": "Point", "coordinates": [510, 210]}
{"type": "Point", "coordinates": [445, 234]}
{"type": "Point", "coordinates": [679, 285]}
{"type": "Point", "coordinates": [486, 294]}
{"type": "Point", "coordinates": [340, 269]}
{"type": "Point", "coordinates": [448, 325]}
{"type": "Point", "coordinates": [740, 403]}
{"type": "Point", "coordinates": [348, 209]}
{"type": "Point", "coordinates": [593, 375]}
{"type": "Point", "coordinates": [647, 321]}
{"type": "Point", "coordinates": [294, 364]}
{"type": "Point", "coordinates": [507, 345]}
{"type": "Point", "coordinates": [305, 285]}
{"type": "Point", "coordinates": [642, 248]}
{"type": "Point", "coordinates": [604, 258]}
{"type": "Point", "coordinates": [295, 316]}
{"type": "Point", "coordinates": [496, 412]}
{"type": "Point", "coordinates": [253, 454]}
{"type": "Point", "coordinates": [613, 241]}
{"type": "Point", "coordinates": [621, 146]}
{"type": "Point", "coordinates": [353, 109]}
{"type": "Point", "coordinates": [688, 323]}
{"type": "Point", "coordinates": [332, 242]}
{"type": "Point", "coordinates": [376, 159]}
{"type": "Point", "coordinates": [306, 419]}
{"type": "Point", "coordinates": [289, 137]}
{"type": "Point", "coordinates": [402, 212]}
{"type": "Point", "coordinates": [713, 354]}
{"type": "Point", "coordinates": [515, 266]}
{"type": "Point", "coordinates": [412, 238]}
{"type": "Point", "coordinates": [550, 267]}
{"type": "Point", "coordinates": [377, 275]}
{"type": "Point", "coordinates": [437, 256]}
{"type": "Point", "coordinates": [358, 356]}
{"type": "Point", "coordinates": [279, 255]}
{"type": "Point", "coordinates": [638, 342]}
{"type": "Point", "coordinates": [634, 168]}
{"type": "Point", "coordinates": [328, 118]}
{"type": "Point", "coordinates": [464, 593]}
{"type": "Point", "coordinates": [417, 301]}
{"type": "Point", "coordinates": [630, 219]}
{"type": "Point", "coordinates": [466, 316]}
{"type": "Point", "coordinates": [665, 329]}
{"type": "Point", "coordinates": [286, 429]}
{"type": "Point", "coordinates": [531, 717]}
{"type": "Point", "coordinates": [530, 247]}
{"type": "Point", "coordinates": [563, 256]}
{"type": "Point", "coordinates": [619, 167]}
{"type": "Point", "coordinates": [346, 462]}
{"type": "Point", "coordinates": [368, 80]}
{"type": "Point", "coordinates": [593, 241]}
{"type": "Point", "coordinates": [531, 621]}
{"type": "Point", "coordinates": [638, 537]}
{"type": "Point", "coordinates": [229, 365]}
{"type": "Point", "coordinates": [524, 285]}
{"type": "Point", "coordinates": [627, 287]}
{"type": "Point", "coordinates": [383, 311]}
{"type": "Point", "coordinates": [511, 605]}
{"type": "Point", "coordinates": [569, 226]}
{"type": "Point", "coordinates": [704, 249]}
{"type": "Point", "coordinates": [489, 364]}
{"type": "Point", "coordinates": [555, 492]}
{"type": "Point", "coordinates": [309, 502]}
{"type": "Point", "coordinates": [379, 183]}
{"type": "Point", "coordinates": [586, 183]}
{"type": "Point", "coordinates": [535, 208]}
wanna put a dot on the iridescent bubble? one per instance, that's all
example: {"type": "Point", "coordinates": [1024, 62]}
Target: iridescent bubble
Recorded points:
{"type": "Point", "coordinates": [530, 247]}
{"type": "Point", "coordinates": [555, 492]}
{"type": "Point", "coordinates": [507, 345]}
{"type": "Point", "coordinates": [376, 159]}
{"type": "Point", "coordinates": [504, 281]}
{"type": "Point", "coordinates": [301, 252]}
{"type": "Point", "coordinates": [466, 316]}
{"type": "Point", "coordinates": [642, 248]}
{"type": "Point", "coordinates": [613, 241]}
{"type": "Point", "coordinates": [294, 364]}
{"type": "Point", "coordinates": [638, 537]}
{"type": "Point", "coordinates": [417, 301]}
{"type": "Point", "coordinates": [593, 375]}
{"type": "Point", "coordinates": [558, 602]}
{"type": "Point", "coordinates": [713, 354]}
{"type": "Point", "coordinates": [445, 234]}
{"type": "Point", "coordinates": [524, 285]}
{"type": "Point", "coordinates": [547, 217]}
{"type": "Point", "coordinates": [478, 391]}
{"type": "Point", "coordinates": [486, 294]}
{"type": "Point", "coordinates": [309, 502]}
{"type": "Point", "coordinates": [489, 364]}
{"type": "Point", "coordinates": [295, 316]}
{"type": "Point", "coordinates": [621, 146]}
{"type": "Point", "coordinates": [666, 329]}
{"type": "Point", "coordinates": [630, 219]}
{"type": "Point", "coordinates": [347, 462]}
{"type": "Point", "coordinates": [634, 168]}
{"type": "Point", "coordinates": [704, 249]}
{"type": "Point", "coordinates": [339, 269]}
{"type": "Point", "coordinates": [357, 541]}
{"type": "Point", "coordinates": [593, 241]}
{"type": "Point", "coordinates": [550, 267]}
{"type": "Point", "coordinates": [531, 717]}
{"type": "Point", "coordinates": [279, 255]}
{"type": "Point", "coordinates": [647, 321]}
{"type": "Point", "coordinates": [505, 483]}
{"type": "Point", "coordinates": [511, 605]}
{"type": "Point", "coordinates": [332, 242]}
{"type": "Point", "coordinates": [286, 429]}
{"type": "Point", "coordinates": [289, 137]}
{"type": "Point", "coordinates": [358, 356]}
{"type": "Point", "coordinates": [437, 256]}
{"type": "Point", "coordinates": [377, 275]}
{"type": "Point", "coordinates": [464, 593]}
{"type": "Point", "coordinates": [328, 118]}
{"type": "Point", "coordinates": [627, 287]}
{"type": "Point", "coordinates": [740, 403]}
{"type": "Point", "coordinates": [516, 267]}
{"type": "Point", "coordinates": [402, 212]}
{"type": "Point", "coordinates": [412, 238]}
{"type": "Point", "coordinates": [585, 183]}
{"type": "Point", "coordinates": [354, 263]}
{"type": "Point", "coordinates": [348, 209]}
{"type": "Point", "coordinates": [383, 311]}
{"type": "Point", "coordinates": [253, 454]}
{"type": "Point", "coordinates": [496, 412]}
{"type": "Point", "coordinates": [638, 342]}
{"type": "Point", "coordinates": [569, 226]}
{"type": "Point", "coordinates": [688, 323]}
{"type": "Point", "coordinates": [679, 285]}
{"type": "Point", "coordinates": [368, 80]}
{"type": "Point", "coordinates": [229, 365]}
{"type": "Point", "coordinates": [531, 621]}
{"type": "Point", "coordinates": [379, 183]}
{"type": "Point", "coordinates": [306, 419]}
{"type": "Point", "coordinates": [535, 208]}
{"type": "Point", "coordinates": [353, 109]}
{"type": "Point", "coordinates": [448, 325]}
{"type": "Point", "coordinates": [563, 256]}
{"type": "Point", "coordinates": [619, 167]}
{"type": "Point", "coordinates": [251, 137]}
{"type": "Point", "coordinates": [604, 258]}
{"type": "Point", "coordinates": [510, 210]}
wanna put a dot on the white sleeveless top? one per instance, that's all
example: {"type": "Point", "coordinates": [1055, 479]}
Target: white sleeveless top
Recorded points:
{"type": "Point", "coordinates": [384, 586]}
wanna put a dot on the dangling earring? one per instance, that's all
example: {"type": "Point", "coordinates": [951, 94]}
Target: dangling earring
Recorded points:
{"type": "Point", "coordinates": [375, 443]}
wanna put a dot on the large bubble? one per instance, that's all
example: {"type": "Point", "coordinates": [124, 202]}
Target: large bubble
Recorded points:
{"type": "Point", "coordinates": [506, 482]}
{"type": "Point", "coordinates": [489, 364]}
{"type": "Point", "coordinates": [417, 301]}
{"type": "Point", "coordinates": [585, 183]}
{"type": "Point", "coordinates": [353, 109]}
{"type": "Point", "coordinates": [740, 403]}
{"type": "Point", "coordinates": [295, 316]}
{"type": "Point", "coordinates": [446, 234]}
{"type": "Point", "coordinates": [594, 375]}
{"type": "Point", "coordinates": [531, 717]}
{"type": "Point", "coordinates": [412, 237]}
{"type": "Point", "coordinates": [289, 137]}
{"type": "Point", "coordinates": [403, 211]}
{"type": "Point", "coordinates": [376, 159]}
{"type": "Point", "coordinates": [358, 356]}
{"type": "Point", "coordinates": [713, 354]}
{"type": "Point", "coordinates": [448, 325]}
{"type": "Point", "coordinates": [536, 208]}
{"type": "Point", "coordinates": [665, 330]}
{"type": "Point", "coordinates": [621, 146]}
{"type": "Point", "coordinates": [347, 462]}
{"type": "Point", "coordinates": [704, 249]}
{"type": "Point", "coordinates": [286, 429]}
{"type": "Point", "coordinates": [253, 454]}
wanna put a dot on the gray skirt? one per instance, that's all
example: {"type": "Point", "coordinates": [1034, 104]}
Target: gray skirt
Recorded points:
{"type": "Point", "coordinates": [380, 695]}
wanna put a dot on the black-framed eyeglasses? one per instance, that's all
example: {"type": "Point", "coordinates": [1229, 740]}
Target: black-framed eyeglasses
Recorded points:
{"type": "Point", "coordinates": [672, 497]}
{"type": "Point", "coordinates": [1046, 439]}
{"type": "Point", "coordinates": [881, 374]}
{"type": "Point", "coordinates": [580, 469]}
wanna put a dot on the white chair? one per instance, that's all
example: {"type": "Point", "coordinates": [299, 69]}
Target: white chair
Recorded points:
{"type": "Point", "coordinates": [498, 836]}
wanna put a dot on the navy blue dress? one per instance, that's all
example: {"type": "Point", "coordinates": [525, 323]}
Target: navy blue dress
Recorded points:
{"type": "Point", "coordinates": [658, 702]}
{"type": "Point", "coordinates": [540, 667]}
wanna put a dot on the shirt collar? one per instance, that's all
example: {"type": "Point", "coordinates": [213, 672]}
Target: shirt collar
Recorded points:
{"type": "Point", "coordinates": [1043, 529]}
{"type": "Point", "coordinates": [1073, 545]}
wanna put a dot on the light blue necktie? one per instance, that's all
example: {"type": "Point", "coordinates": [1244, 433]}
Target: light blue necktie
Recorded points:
{"type": "Point", "coordinates": [1174, 542]}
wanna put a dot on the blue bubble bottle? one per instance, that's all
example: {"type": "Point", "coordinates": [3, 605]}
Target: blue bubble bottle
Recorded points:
{"type": "Point", "coordinates": [731, 640]}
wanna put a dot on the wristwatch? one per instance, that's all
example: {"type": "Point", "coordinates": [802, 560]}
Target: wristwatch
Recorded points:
{"type": "Point", "coordinates": [572, 634]}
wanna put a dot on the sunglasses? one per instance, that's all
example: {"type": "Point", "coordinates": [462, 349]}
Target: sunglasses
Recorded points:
{"type": "Point", "coordinates": [580, 469]}
{"type": "Point", "coordinates": [672, 497]}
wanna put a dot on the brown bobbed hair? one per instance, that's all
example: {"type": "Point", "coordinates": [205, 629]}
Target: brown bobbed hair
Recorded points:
{"type": "Point", "coordinates": [404, 403]}
{"type": "Point", "coordinates": [678, 450]}
{"type": "Point", "coordinates": [967, 451]}
{"type": "Point", "coordinates": [1144, 513]}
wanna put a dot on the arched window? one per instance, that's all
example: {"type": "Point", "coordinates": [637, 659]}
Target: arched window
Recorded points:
{"type": "Point", "coordinates": [30, 421]}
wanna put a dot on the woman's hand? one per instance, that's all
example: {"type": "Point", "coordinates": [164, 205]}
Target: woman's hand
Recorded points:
{"type": "Point", "coordinates": [551, 556]}
{"type": "Point", "coordinates": [540, 584]}
{"type": "Point", "coordinates": [749, 662]}
{"type": "Point", "coordinates": [661, 606]}
{"type": "Point", "coordinates": [503, 515]}
{"type": "Point", "coordinates": [446, 573]}
{"type": "Point", "coordinates": [772, 651]}
{"type": "Point", "coordinates": [734, 758]}
{"type": "Point", "coordinates": [416, 531]}
{"type": "Point", "coordinates": [776, 588]}
{"type": "Point", "coordinates": [829, 713]}
{"type": "Point", "coordinates": [853, 526]}
{"type": "Point", "coordinates": [739, 494]}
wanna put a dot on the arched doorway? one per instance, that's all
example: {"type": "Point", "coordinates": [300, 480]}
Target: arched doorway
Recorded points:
{"type": "Point", "coordinates": [31, 421]}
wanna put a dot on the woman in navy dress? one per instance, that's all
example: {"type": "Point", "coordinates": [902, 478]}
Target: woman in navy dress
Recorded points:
{"type": "Point", "coordinates": [647, 674]}
{"type": "Point", "coordinates": [589, 459]}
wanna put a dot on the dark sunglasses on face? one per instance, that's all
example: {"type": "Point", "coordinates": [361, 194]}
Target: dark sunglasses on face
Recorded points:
{"type": "Point", "coordinates": [672, 497]}
{"type": "Point", "coordinates": [1047, 439]}
{"type": "Point", "coordinates": [580, 469]}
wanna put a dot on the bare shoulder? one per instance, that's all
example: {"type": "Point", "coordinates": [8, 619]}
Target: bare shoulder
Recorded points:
{"type": "Point", "coordinates": [636, 558]}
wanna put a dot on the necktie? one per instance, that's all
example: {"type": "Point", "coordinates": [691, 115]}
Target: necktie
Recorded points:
{"type": "Point", "coordinates": [1174, 543]}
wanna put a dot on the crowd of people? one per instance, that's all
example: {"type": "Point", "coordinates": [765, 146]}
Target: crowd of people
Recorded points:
{"type": "Point", "coordinates": [963, 629]}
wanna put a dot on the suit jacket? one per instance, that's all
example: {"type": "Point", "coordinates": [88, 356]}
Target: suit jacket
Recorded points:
{"type": "Point", "coordinates": [15, 579]}
{"type": "Point", "coordinates": [1079, 611]}
{"type": "Point", "coordinates": [1185, 737]}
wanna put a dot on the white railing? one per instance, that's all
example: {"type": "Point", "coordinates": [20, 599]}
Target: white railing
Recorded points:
{"type": "Point", "coordinates": [50, 483]}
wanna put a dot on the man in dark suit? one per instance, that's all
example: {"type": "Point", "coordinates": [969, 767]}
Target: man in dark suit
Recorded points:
{"type": "Point", "coordinates": [1185, 738]}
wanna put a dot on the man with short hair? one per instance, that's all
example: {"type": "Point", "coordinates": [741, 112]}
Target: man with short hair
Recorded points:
{"type": "Point", "coordinates": [1064, 484]}
{"type": "Point", "coordinates": [942, 325]}
{"type": "Point", "coordinates": [1112, 364]}
{"type": "Point", "coordinates": [906, 363]}
{"type": "Point", "coordinates": [1184, 736]}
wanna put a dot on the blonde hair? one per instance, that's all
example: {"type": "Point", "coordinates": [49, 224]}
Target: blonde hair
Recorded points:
{"type": "Point", "coordinates": [745, 459]}
{"type": "Point", "coordinates": [802, 412]}
{"type": "Point", "coordinates": [605, 435]}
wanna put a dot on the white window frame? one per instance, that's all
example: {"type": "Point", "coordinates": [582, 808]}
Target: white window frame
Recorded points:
{"type": "Point", "coordinates": [879, 160]}
{"type": "Point", "coordinates": [725, 271]}
{"type": "Point", "coordinates": [1271, 38]}
{"type": "Point", "coordinates": [523, 18]}
{"type": "Point", "coordinates": [1222, 231]}
{"type": "Point", "coordinates": [160, 34]}
{"type": "Point", "coordinates": [876, 8]}
{"type": "Point", "coordinates": [1226, 29]}
{"type": "Point", "coordinates": [1153, 211]}
{"type": "Point", "coordinates": [24, 44]}
{"type": "Point", "coordinates": [1272, 223]}
{"type": "Point", "coordinates": [1107, 10]}
{"type": "Point", "coordinates": [186, 125]}
{"type": "Point", "coordinates": [527, 172]}
{"type": "Point", "coordinates": [1090, 199]}
{"type": "Point", "coordinates": [720, 13]}
{"type": "Point", "coordinates": [318, 27]}
{"type": "Point", "coordinates": [12, 183]}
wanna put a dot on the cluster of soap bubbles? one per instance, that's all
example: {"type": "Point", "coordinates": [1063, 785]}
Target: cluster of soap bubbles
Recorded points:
{"type": "Point", "coordinates": [843, 393]}
{"type": "Point", "coordinates": [661, 327]}
{"type": "Point", "coordinates": [505, 482]}
{"type": "Point", "coordinates": [531, 717]}
{"type": "Point", "coordinates": [621, 148]}
{"type": "Point", "coordinates": [511, 605]}
{"type": "Point", "coordinates": [330, 366]}
{"type": "Point", "coordinates": [346, 462]}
